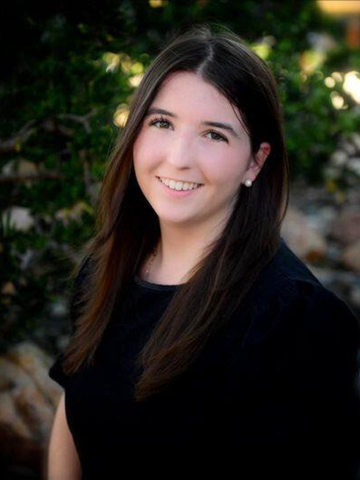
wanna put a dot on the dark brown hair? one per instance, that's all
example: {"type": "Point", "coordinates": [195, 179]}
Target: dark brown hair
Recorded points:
{"type": "Point", "coordinates": [127, 228]}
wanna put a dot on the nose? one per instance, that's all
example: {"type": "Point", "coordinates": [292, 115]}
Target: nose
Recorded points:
{"type": "Point", "coordinates": [180, 153]}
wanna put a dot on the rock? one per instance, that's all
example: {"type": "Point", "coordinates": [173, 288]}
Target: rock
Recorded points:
{"type": "Point", "coordinates": [355, 297]}
{"type": "Point", "coordinates": [346, 228]}
{"type": "Point", "coordinates": [35, 363]}
{"type": "Point", "coordinates": [8, 288]}
{"type": "Point", "coordinates": [19, 218]}
{"type": "Point", "coordinates": [351, 256]}
{"type": "Point", "coordinates": [322, 219]}
{"type": "Point", "coordinates": [302, 237]}
{"type": "Point", "coordinates": [74, 213]}
{"type": "Point", "coordinates": [28, 401]}
{"type": "Point", "coordinates": [21, 165]}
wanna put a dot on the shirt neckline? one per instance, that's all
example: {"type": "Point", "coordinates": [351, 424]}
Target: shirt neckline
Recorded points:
{"type": "Point", "coordinates": [161, 287]}
{"type": "Point", "coordinates": [154, 286]}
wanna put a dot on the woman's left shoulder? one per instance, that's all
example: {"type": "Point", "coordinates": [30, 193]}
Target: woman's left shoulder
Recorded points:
{"type": "Point", "coordinates": [316, 306]}
{"type": "Point", "coordinates": [302, 307]}
{"type": "Point", "coordinates": [297, 294]}
{"type": "Point", "coordinates": [320, 306]}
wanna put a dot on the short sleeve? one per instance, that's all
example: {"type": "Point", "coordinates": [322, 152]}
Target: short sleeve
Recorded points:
{"type": "Point", "coordinates": [326, 373]}
{"type": "Point", "coordinates": [56, 372]}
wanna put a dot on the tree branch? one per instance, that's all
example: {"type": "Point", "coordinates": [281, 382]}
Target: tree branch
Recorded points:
{"type": "Point", "coordinates": [22, 177]}
{"type": "Point", "coordinates": [11, 144]}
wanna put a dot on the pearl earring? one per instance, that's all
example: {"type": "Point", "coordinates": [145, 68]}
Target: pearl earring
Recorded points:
{"type": "Point", "coordinates": [248, 182]}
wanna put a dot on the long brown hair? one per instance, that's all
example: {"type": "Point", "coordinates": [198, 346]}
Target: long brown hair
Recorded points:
{"type": "Point", "coordinates": [127, 228]}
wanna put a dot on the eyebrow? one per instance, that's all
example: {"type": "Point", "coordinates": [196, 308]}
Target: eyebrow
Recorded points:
{"type": "Point", "coordinates": [224, 126]}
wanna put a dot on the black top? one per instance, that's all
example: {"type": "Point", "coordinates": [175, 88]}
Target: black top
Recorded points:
{"type": "Point", "coordinates": [269, 395]}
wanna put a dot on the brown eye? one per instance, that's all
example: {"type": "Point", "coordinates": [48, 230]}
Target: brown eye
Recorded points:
{"type": "Point", "coordinates": [218, 137]}
{"type": "Point", "coordinates": [159, 120]}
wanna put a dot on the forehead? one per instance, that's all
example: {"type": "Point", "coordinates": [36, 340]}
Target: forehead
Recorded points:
{"type": "Point", "coordinates": [187, 92]}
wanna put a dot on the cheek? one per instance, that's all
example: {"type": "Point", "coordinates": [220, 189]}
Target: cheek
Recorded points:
{"type": "Point", "coordinates": [144, 154]}
{"type": "Point", "coordinates": [223, 168]}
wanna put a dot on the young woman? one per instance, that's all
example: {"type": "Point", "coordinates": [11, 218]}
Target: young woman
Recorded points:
{"type": "Point", "coordinates": [201, 341]}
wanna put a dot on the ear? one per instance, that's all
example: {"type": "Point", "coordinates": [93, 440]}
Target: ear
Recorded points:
{"type": "Point", "coordinates": [257, 163]}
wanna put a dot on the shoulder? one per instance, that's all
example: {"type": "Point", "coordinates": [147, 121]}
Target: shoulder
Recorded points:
{"type": "Point", "coordinates": [290, 300]}
{"type": "Point", "coordinates": [286, 267]}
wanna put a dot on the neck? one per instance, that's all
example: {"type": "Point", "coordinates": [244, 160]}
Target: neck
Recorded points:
{"type": "Point", "coordinates": [178, 251]}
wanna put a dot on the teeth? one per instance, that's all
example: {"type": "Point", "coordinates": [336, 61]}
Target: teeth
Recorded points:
{"type": "Point", "coordinates": [179, 185]}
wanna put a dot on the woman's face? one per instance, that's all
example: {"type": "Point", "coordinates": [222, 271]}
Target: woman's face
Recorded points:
{"type": "Point", "coordinates": [178, 145]}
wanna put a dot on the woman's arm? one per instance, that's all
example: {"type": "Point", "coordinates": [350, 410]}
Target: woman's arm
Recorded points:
{"type": "Point", "coordinates": [63, 460]}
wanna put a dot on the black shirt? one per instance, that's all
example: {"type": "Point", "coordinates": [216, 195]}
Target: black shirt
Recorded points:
{"type": "Point", "coordinates": [270, 396]}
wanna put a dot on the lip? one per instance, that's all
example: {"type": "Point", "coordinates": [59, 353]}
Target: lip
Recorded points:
{"type": "Point", "coordinates": [178, 193]}
{"type": "Point", "coordinates": [183, 181]}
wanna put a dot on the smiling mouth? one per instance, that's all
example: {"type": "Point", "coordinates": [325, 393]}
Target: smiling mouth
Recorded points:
{"type": "Point", "coordinates": [180, 181]}
{"type": "Point", "coordinates": [198, 185]}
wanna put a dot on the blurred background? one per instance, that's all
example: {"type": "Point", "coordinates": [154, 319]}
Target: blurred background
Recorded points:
{"type": "Point", "coordinates": [69, 70]}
